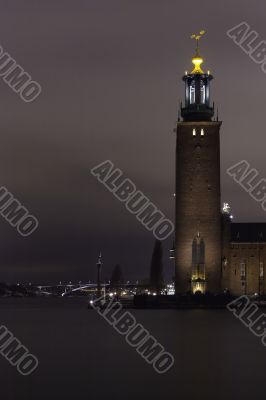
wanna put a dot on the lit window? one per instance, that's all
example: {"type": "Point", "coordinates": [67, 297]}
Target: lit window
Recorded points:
{"type": "Point", "coordinates": [194, 132]}
{"type": "Point", "coordinates": [202, 132]}
{"type": "Point", "coordinates": [261, 270]}
{"type": "Point", "coordinates": [202, 93]}
{"type": "Point", "coordinates": [192, 93]}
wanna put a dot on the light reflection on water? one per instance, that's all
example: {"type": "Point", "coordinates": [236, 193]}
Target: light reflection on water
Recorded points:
{"type": "Point", "coordinates": [81, 355]}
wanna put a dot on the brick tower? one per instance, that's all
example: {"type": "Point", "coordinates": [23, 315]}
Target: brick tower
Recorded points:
{"type": "Point", "coordinates": [198, 212]}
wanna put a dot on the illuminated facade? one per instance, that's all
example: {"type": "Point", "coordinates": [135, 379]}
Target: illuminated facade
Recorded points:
{"type": "Point", "coordinates": [244, 257]}
{"type": "Point", "coordinates": [198, 214]}
{"type": "Point", "coordinates": [211, 253]}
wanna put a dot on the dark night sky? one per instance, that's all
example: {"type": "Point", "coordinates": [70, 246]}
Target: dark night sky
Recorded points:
{"type": "Point", "coordinates": [111, 77]}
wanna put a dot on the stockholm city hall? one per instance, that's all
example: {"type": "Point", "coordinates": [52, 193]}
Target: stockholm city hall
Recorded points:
{"type": "Point", "coordinates": [212, 254]}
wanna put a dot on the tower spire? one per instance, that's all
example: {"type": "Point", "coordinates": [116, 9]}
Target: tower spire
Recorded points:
{"type": "Point", "coordinates": [197, 37]}
{"type": "Point", "coordinates": [99, 267]}
{"type": "Point", "coordinates": [197, 60]}
{"type": "Point", "coordinates": [197, 89]}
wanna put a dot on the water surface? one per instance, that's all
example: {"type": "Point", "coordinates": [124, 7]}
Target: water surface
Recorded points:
{"type": "Point", "coordinates": [81, 356]}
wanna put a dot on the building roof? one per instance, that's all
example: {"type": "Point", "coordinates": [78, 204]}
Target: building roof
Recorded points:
{"type": "Point", "coordinates": [248, 232]}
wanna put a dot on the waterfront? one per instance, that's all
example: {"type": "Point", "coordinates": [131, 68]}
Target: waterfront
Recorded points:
{"type": "Point", "coordinates": [80, 355]}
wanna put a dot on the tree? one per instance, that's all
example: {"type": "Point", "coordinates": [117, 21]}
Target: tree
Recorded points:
{"type": "Point", "coordinates": [156, 271]}
{"type": "Point", "coordinates": [117, 277]}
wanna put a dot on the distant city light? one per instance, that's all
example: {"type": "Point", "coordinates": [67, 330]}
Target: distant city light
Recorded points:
{"type": "Point", "coordinates": [170, 289]}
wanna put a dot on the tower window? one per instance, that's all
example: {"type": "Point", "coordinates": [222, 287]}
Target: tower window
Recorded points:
{"type": "Point", "coordinates": [261, 270]}
{"type": "Point", "coordinates": [194, 132]}
{"type": "Point", "coordinates": [202, 93]}
{"type": "Point", "coordinates": [192, 93]}
{"type": "Point", "coordinates": [242, 271]}
{"type": "Point", "coordinates": [202, 132]}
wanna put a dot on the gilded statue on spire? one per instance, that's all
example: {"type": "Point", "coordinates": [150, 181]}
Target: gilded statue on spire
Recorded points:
{"type": "Point", "coordinates": [197, 60]}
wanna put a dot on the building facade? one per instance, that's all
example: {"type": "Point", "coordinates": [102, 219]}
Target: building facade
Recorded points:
{"type": "Point", "coordinates": [211, 253]}
{"type": "Point", "coordinates": [244, 256]}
